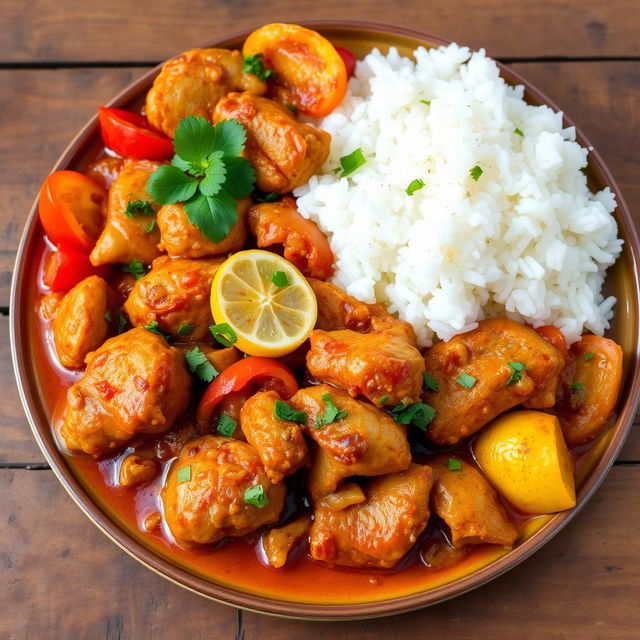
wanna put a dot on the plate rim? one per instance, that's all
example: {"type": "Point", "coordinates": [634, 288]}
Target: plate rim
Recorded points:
{"type": "Point", "coordinates": [257, 603]}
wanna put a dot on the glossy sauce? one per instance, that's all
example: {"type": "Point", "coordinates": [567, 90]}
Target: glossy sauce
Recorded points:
{"type": "Point", "coordinates": [237, 562]}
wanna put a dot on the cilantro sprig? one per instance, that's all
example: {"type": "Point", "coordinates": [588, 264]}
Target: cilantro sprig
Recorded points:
{"type": "Point", "coordinates": [199, 365]}
{"type": "Point", "coordinates": [255, 65]}
{"type": "Point", "coordinates": [207, 173]}
{"type": "Point", "coordinates": [419, 414]}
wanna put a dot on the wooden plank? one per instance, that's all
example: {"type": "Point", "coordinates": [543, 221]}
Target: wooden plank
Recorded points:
{"type": "Point", "coordinates": [62, 578]}
{"type": "Point", "coordinates": [122, 31]}
{"type": "Point", "coordinates": [71, 578]}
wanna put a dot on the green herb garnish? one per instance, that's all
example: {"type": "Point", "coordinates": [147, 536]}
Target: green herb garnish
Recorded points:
{"type": "Point", "coordinates": [466, 381]}
{"type": "Point", "coordinates": [427, 102]}
{"type": "Point", "coordinates": [107, 316]}
{"type": "Point", "coordinates": [207, 174]}
{"type": "Point", "coordinates": [517, 368]}
{"type": "Point", "coordinates": [414, 185]}
{"type": "Point", "coordinates": [135, 267]}
{"type": "Point", "coordinates": [138, 207]}
{"type": "Point", "coordinates": [429, 382]}
{"type": "Point", "coordinates": [256, 496]}
{"type": "Point", "coordinates": [587, 356]}
{"type": "Point", "coordinates": [418, 414]}
{"type": "Point", "coordinates": [292, 108]}
{"type": "Point", "coordinates": [150, 227]}
{"type": "Point", "coordinates": [384, 399]}
{"type": "Point", "coordinates": [453, 464]}
{"type": "Point", "coordinates": [476, 172]}
{"type": "Point", "coordinates": [200, 365]}
{"type": "Point", "coordinates": [266, 197]}
{"type": "Point", "coordinates": [331, 412]}
{"type": "Point", "coordinates": [577, 386]}
{"type": "Point", "coordinates": [184, 474]}
{"type": "Point", "coordinates": [224, 334]}
{"type": "Point", "coordinates": [226, 425]}
{"type": "Point", "coordinates": [319, 423]}
{"type": "Point", "coordinates": [285, 412]}
{"type": "Point", "coordinates": [254, 64]}
{"type": "Point", "coordinates": [348, 164]}
{"type": "Point", "coordinates": [279, 278]}
{"type": "Point", "coordinates": [185, 329]}
{"type": "Point", "coordinates": [154, 327]}
{"type": "Point", "coordinates": [122, 322]}
{"type": "Point", "coordinates": [518, 132]}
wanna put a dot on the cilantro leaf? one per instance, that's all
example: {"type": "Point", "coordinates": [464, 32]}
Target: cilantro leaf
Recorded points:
{"type": "Point", "coordinates": [285, 412]}
{"type": "Point", "coordinates": [214, 175]}
{"type": "Point", "coordinates": [256, 496]}
{"type": "Point", "coordinates": [199, 365]}
{"type": "Point", "coordinates": [384, 399]}
{"type": "Point", "coordinates": [475, 172]}
{"type": "Point", "coordinates": [319, 424]}
{"type": "Point", "coordinates": [177, 161]}
{"type": "Point", "coordinates": [224, 334]}
{"type": "Point", "coordinates": [141, 207]}
{"type": "Point", "coordinates": [517, 368]}
{"type": "Point", "coordinates": [427, 102]}
{"type": "Point", "coordinates": [184, 474]}
{"type": "Point", "coordinates": [213, 216]}
{"type": "Point", "coordinates": [266, 197]}
{"type": "Point", "coordinates": [453, 464]}
{"type": "Point", "coordinates": [122, 322]}
{"type": "Point", "coordinates": [418, 414]}
{"type": "Point", "coordinates": [254, 64]}
{"type": "Point", "coordinates": [279, 278]}
{"type": "Point", "coordinates": [429, 382]}
{"type": "Point", "coordinates": [194, 139]}
{"type": "Point", "coordinates": [154, 327]}
{"type": "Point", "coordinates": [414, 185]}
{"type": "Point", "coordinates": [135, 267]}
{"type": "Point", "coordinates": [351, 162]}
{"type": "Point", "coordinates": [169, 184]}
{"type": "Point", "coordinates": [587, 356]}
{"type": "Point", "coordinates": [331, 412]}
{"type": "Point", "coordinates": [577, 386]}
{"type": "Point", "coordinates": [466, 381]}
{"type": "Point", "coordinates": [230, 137]}
{"type": "Point", "coordinates": [226, 425]}
{"type": "Point", "coordinates": [185, 328]}
{"type": "Point", "coordinates": [241, 176]}
{"type": "Point", "coordinates": [107, 316]}
{"type": "Point", "coordinates": [518, 132]}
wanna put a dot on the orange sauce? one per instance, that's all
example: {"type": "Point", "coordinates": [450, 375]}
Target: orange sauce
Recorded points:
{"type": "Point", "coordinates": [237, 562]}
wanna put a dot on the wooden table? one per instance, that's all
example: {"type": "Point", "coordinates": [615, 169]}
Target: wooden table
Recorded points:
{"type": "Point", "coordinates": [61, 578]}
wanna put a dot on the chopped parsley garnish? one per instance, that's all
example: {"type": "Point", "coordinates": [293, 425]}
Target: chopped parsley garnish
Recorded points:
{"type": "Point", "coordinates": [138, 207]}
{"type": "Point", "coordinates": [107, 316]}
{"type": "Point", "coordinates": [348, 164]}
{"type": "Point", "coordinates": [150, 227]}
{"type": "Point", "coordinates": [466, 381]}
{"type": "Point", "coordinates": [207, 173]}
{"type": "Point", "coordinates": [279, 278]}
{"type": "Point", "coordinates": [577, 386]}
{"type": "Point", "coordinates": [587, 356]}
{"type": "Point", "coordinates": [518, 132]}
{"type": "Point", "coordinates": [427, 102]}
{"type": "Point", "coordinates": [154, 327]}
{"type": "Point", "coordinates": [453, 464]}
{"type": "Point", "coordinates": [384, 399]}
{"type": "Point", "coordinates": [285, 412]}
{"type": "Point", "coordinates": [418, 414]}
{"type": "Point", "coordinates": [292, 108]}
{"type": "Point", "coordinates": [226, 425]}
{"type": "Point", "coordinates": [319, 424]}
{"type": "Point", "coordinates": [516, 372]}
{"type": "Point", "coordinates": [256, 496]}
{"type": "Point", "coordinates": [185, 329]}
{"type": "Point", "coordinates": [331, 412]}
{"type": "Point", "coordinates": [122, 322]}
{"type": "Point", "coordinates": [224, 334]}
{"type": "Point", "coordinates": [184, 473]}
{"type": "Point", "coordinates": [476, 172]}
{"type": "Point", "coordinates": [135, 267]}
{"type": "Point", "coordinates": [266, 197]}
{"type": "Point", "coordinates": [414, 185]}
{"type": "Point", "coordinates": [429, 382]}
{"type": "Point", "coordinates": [200, 365]}
{"type": "Point", "coordinates": [254, 64]}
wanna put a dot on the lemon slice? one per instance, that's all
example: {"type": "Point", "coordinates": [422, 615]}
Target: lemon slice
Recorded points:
{"type": "Point", "coordinates": [269, 320]}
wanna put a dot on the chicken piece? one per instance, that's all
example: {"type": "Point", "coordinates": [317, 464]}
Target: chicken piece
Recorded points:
{"type": "Point", "coordinates": [192, 83]}
{"type": "Point", "coordinates": [221, 358]}
{"type": "Point", "coordinates": [284, 152]}
{"type": "Point", "coordinates": [181, 239]}
{"type": "Point", "coordinates": [278, 543]}
{"type": "Point", "coordinates": [304, 244]}
{"type": "Point", "coordinates": [136, 470]}
{"type": "Point", "coordinates": [105, 170]}
{"type": "Point", "coordinates": [379, 532]}
{"type": "Point", "coordinates": [365, 442]}
{"type": "Point", "coordinates": [485, 354]}
{"type": "Point", "coordinates": [344, 496]}
{"type": "Point", "coordinates": [125, 238]}
{"type": "Point", "coordinates": [381, 367]}
{"type": "Point", "coordinates": [279, 443]}
{"type": "Point", "coordinates": [133, 384]}
{"type": "Point", "coordinates": [175, 293]}
{"type": "Point", "coordinates": [470, 506]}
{"type": "Point", "coordinates": [81, 322]}
{"type": "Point", "coordinates": [204, 494]}
{"type": "Point", "coordinates": [337, 310]}
{"type": "Point", "coordinates": [48, 305]}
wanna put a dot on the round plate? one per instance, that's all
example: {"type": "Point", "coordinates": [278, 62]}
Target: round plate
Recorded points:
{"type": "Point", "coordinates": [623, 281]}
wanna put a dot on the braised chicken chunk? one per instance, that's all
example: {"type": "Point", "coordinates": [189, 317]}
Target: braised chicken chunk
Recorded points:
{"type": "Point", "coordinates": [279, 443]}
{"type": "Point", "coordinates": [469, 505]}
{"type": "Point", "coordinates": [129, 237]}
{"type": "Point", "coordinates": [181, 239]}
{"type": "Point", "coordinates": [304, 245]}
{"type": "Point", "coordinates": [486, 371]}
{"type": "Point", "coordinates": [175, 294]}
{"type": "Point", "coordinates": [360, 440]}
{"type": "Point", "coordinates": [379, 531]}
{"type": "Point", "coordinates": [192, 84]}
{"type": "Point", "coordinates": [133, 384]}
{"type": "Point", "coordinates": [206, 493]}
{"type": "Point", "coordinates": [279, 542]}
{"type": "Point", "coordinates": [137, 470]}
{"type": "Point", "coordinates": [284, 152]}
{"type": "Point", "coordinates": [81, 322]}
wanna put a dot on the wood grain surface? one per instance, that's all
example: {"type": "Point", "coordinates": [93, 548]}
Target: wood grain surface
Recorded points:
{"type": "Point", "coordinates": [61, 578]}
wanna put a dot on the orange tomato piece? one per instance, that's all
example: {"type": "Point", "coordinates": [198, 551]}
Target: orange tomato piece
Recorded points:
{"type": "Point", "coordinates": [589, 396]}
{"type": "Point", "coordinates": [309, 73]}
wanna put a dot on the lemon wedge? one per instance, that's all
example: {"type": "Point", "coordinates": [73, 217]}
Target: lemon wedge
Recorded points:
{"type": "Point", "coordinates": [266, 300]}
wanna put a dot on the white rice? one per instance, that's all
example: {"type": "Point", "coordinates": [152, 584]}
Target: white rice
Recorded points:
{"type": "Point", "coordinates": [527, 239]}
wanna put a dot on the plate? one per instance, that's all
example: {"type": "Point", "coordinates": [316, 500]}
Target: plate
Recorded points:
{"type": "Point", "coordinates": [623, 282]}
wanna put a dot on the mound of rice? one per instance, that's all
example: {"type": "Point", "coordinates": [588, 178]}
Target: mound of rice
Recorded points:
{"type": "Point", "coordinates": [526, 239]}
